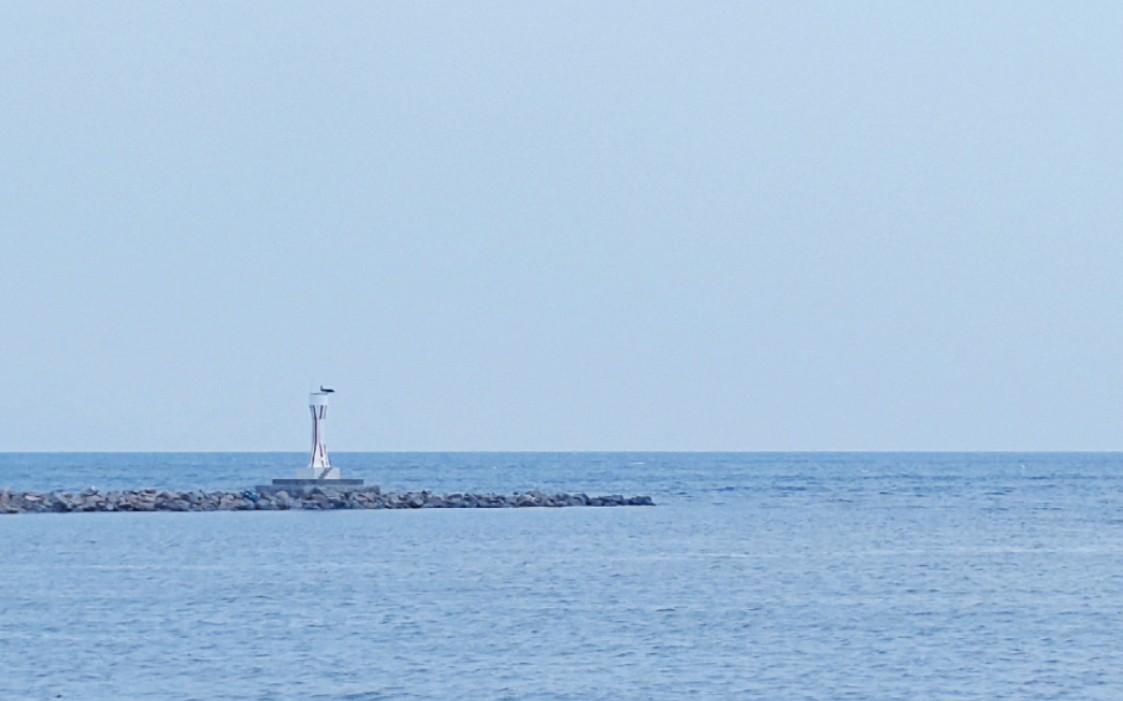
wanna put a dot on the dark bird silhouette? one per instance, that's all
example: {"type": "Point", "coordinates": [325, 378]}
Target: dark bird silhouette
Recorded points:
{"type": "Point", "coordinates": [326, 390]}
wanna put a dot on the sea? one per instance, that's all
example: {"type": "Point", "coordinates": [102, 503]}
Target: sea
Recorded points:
{"type": "Point", "coordinates": [756, 576]}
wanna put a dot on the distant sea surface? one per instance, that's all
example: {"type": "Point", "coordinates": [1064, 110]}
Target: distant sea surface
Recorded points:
{"type": "Point", "coordinates": [756, 576]}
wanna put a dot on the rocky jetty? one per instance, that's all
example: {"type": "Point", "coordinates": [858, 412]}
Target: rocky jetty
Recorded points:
{"type": "Point", "coordinates": [92, 500]}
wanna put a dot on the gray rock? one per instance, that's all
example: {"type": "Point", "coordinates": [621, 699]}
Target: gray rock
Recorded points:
{"type": "Point", "coordinates": [283, 500]}
{"type": "Point", "coordinates": [370, 498]}
{"type": "Point", "coordinates": [227, 502]}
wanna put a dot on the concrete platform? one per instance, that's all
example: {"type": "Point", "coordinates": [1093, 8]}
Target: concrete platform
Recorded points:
{"type": "Point", "coordinates": [303, 486]}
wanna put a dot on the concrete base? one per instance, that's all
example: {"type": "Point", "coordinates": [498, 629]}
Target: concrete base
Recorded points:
{"type": "Point", "coordinates": [303, 486]}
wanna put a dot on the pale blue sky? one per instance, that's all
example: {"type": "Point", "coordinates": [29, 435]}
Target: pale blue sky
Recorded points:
{"type": "Point", "coordinates": [575, 226]}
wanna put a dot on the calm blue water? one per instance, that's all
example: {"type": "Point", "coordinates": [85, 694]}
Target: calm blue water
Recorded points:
{"type": "Point", "coordinates": [771, 576]}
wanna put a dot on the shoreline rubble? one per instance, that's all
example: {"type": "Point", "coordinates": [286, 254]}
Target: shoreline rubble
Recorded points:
{"type": "Point", "coordinates": [317, 499]}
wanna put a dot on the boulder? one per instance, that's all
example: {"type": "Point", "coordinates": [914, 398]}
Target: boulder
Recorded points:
{"type": "Point", "coordinates": [319, 498]}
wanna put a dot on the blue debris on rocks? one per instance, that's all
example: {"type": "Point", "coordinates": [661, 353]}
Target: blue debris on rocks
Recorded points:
{"type": "Point", "coordinates": [92, 500]}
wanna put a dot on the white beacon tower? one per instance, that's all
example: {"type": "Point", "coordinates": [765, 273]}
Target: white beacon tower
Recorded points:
{"type": "Point", "coordinates": [319, 465]}
{"type": "Point", "coordinates": [319, 469]}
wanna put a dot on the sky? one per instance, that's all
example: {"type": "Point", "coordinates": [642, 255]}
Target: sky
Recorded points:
{"type": "Point", "coordinates": [562, 226]}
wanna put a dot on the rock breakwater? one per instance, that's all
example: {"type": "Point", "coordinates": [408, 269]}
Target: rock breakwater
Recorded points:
{"type": "Point", "coordinates": [92, 500]}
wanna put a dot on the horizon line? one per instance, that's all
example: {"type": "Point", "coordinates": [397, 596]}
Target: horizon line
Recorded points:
{"type": "Point", "coordinates": [883, 451]}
